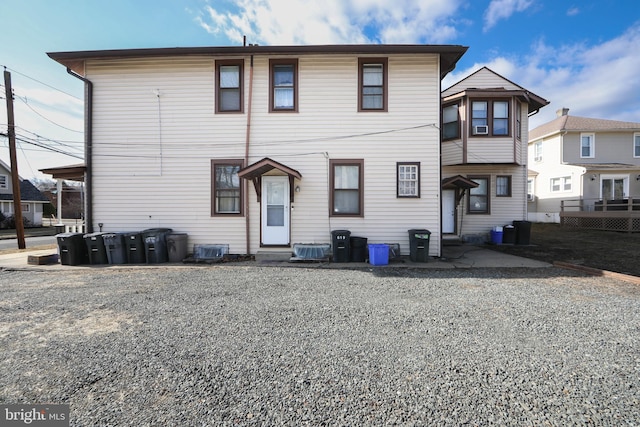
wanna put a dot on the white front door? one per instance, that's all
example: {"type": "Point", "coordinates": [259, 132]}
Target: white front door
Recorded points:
{"type": "Point", "coordinates": [275, 210]}
{"type": "Point", "coordinates": [448, 211]}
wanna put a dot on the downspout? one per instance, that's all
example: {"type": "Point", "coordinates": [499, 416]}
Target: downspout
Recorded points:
{"type": "Point", "coordinates": [88, 149]}
{"type": "Point", "coordinates": [246, 159]}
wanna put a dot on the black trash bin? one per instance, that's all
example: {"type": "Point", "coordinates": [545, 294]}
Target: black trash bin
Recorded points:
{"type": "Point", "coordinates": [73, 250]}
{"type": "Point", "coordinates": [358, 249]}
{"type": "Point", "coordinates": [508, 235]}
{"type": "Point", "coordinates": [177, 246]}
{"type": "Point", "coordinates": [134, 247]}
{"type": "Point", "coordinates": [115, 248]}
{"type": "Point", "coordinates": [95, 248]}
{"type": "Point", "coordinates": [523, 232]}
{"type": "Point", "coordinates": [341, 244]}
{"type": "Point", "coordinates": [419, 245]}
{"type": "Point", "coordinates": [155, 245]}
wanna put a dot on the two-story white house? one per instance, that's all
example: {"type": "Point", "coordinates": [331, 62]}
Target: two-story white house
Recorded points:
{"type": "Point", "coordinates": [582, 162]}
{"type": "Point", "coordinates": [261, 147]}
{"type": "Point", "coordinates": [485, 120]}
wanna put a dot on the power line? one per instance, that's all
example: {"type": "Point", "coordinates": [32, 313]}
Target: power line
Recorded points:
{"type": "Point", "coordinates": [47, 119]}
{"type": "Point", "coordinates": [42, 83]}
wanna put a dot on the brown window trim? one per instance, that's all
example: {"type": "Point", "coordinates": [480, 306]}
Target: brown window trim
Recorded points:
{"type": "Point", "coordinates": [490, 102]}
{"type": "Point", "coordinates": [228, 162]}
{"type": "Point", "coordinates": [509, 188]}
{"type": "Point", "coordinates": [385, 83]}
{"type": "Point", "coordinates": [488, 195]}
{"type": "Point", "coordinates": [284, 61]}
{"type": "Point", "coordinates": [346, 162]}
{"type": "Point", "coordinates": [223, 62]}
{"type": "Point", "coordinates": [398, 164]}
{"type": "Point", "coordinates": [457, 104]}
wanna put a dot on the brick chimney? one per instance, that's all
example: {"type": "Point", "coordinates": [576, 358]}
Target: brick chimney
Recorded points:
{"type": "Point", "coordinates": [564, 111]}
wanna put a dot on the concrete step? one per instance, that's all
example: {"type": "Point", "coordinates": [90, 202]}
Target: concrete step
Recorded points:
{"type": "Point", "coordinates": [273, 256]}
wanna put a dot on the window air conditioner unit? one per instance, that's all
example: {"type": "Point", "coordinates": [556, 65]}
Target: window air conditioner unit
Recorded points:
{"type": "Point", "coordinates": [481, 130]}
{"type": "Point", "coordinates": [530, 197]}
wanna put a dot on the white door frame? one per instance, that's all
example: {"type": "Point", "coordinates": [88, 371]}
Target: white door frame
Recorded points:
{"type": "Point", "coordinates": [275, 211]}
{"type": "Point", "coordinates": [449, 211]}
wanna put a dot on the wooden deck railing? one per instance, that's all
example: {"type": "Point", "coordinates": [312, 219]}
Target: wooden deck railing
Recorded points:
{"type": "Point", "coordinates": [613, 215]}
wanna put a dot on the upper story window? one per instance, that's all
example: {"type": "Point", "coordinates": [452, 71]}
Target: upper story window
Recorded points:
{"type": "Point", "coordinates": [227, 189]}
{"type": "Point", "coordinates": [537, 151]}
{"type": "Point", "coordinates": [636, 144]}
{"type": "Point", "coordinates": [4, 182]}
{"type": "Point", "coordinates": [518, 120]}
{"type": "Point", "coordinates": [408, 178]}
{"type": "Point", "coordinates": [587, 145]}
{"type": "Point", "coordinates": [283, 84]}
{"type": "Point", "coordinates": [490, 118]}
{"type": "Point", "coordinates": [479, 197]}
{"type": "Point", "coordinates": [450, 122]}
{"type": "Point", "coordinates": [229, 80]}
{"type": "Point", "coordinates": [372, 84]}
{"type": "Point", "coordinates": [347, 187]}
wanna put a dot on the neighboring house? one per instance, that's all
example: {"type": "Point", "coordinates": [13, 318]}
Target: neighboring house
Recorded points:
{"type": "Point", "coordinates": [484, 153]}
{"type": "Point", "coordinates": [581, 161]}
{"type": "Point", "coordinates": [31, 198]}
{"type": "Point", "coordinates": [261, 147]}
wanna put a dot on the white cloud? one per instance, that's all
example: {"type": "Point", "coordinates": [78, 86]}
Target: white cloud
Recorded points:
{"type": "Point", "coordinates": [573, 11]}
{"type": "Point", "coordinates": [279, 22]}
{"type": "Point", "coordinates": [599, 81]}
{"type": "Point", "coordinates": [503, 9]}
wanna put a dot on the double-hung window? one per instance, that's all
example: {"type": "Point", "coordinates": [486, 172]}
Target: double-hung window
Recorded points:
{"type": "Point", "coordinates": [636, 144]}
{"type": "Point", "coordinates": [408, 178]}
{"type": "Point", "coordinates": [479, 197]}
{"type": "Point", "coordinates": [347, 187]}
{"type": "Point", "coordinates": [372, 86]}
{"type": "Point", "coordinates": [490, 118]}
{"type": "Point", "coordinates": [561, 184]}
{"type": "Point", "coordinates": [450, 122]}
{"type": "Point", "coordinates": [518, 120]}
{"type": "Point", "coordinates": [229, 86]}
{"type": "Point", "coordinates": [227, 187]}
{"type": "Point", "coordinates": [537, 151]}
{"type": "Point", "coordinates": [503, 186]}
{"type": "Point", "coordinates": [283, 84]}
{"type": "Point", "coordinates": [587, 145]}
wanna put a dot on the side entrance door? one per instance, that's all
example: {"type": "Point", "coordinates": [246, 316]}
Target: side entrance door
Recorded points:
{"type": "Point", "coordinates": [448, 211]}
{"type": "Point", "coordinates": [275, 210]}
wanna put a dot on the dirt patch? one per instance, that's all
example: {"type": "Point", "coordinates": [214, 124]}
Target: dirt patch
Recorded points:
{"type": "Point", "coordinates": [605, 250]}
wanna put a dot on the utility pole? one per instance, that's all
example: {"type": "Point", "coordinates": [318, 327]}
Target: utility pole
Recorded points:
{"type": "Point", "coordinates": [15, 179]}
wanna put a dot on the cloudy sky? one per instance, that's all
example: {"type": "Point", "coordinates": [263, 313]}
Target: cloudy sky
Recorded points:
{"type": "Point", "coordinates": [580, 54]}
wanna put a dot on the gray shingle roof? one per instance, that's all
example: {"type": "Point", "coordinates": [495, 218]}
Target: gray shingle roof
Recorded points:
{"type": "Point", "coordinates": [28, 193]}
{"type": "Point", "coordinates": [583, 124]}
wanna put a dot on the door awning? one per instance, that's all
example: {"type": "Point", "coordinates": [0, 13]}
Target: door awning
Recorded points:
{"type": "Point", "coordinates": [458, 181]}
{"type": "Point", "coordinates": [255, 171]}
{"type": "Point", "coordinates": [72, 173]}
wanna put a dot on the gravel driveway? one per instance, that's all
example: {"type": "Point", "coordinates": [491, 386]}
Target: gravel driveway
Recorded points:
{"type": "Point", "coordinates": [253, 345]}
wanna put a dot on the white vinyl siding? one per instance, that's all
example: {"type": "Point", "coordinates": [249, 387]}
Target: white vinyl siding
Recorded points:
{"type": "Point", "coordinates": [152, 154]}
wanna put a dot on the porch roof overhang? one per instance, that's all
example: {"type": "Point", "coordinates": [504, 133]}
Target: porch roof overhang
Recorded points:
{"type": "Point", "coordinates": [72, 172]}
{"type": "Point", "coordinates": [609, 167]}
{"type": "Point", "coordinates": [458, 181]}
{"type": "Point", "coordinates": [255, 171]}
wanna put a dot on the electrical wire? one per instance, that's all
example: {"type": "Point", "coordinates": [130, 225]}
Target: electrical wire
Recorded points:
{"type": "Point", "coordinates": [47, 119]}
{"type": "Point", "coordinates": [42, 83]}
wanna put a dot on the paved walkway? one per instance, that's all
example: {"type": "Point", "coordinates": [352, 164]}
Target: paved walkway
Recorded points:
{"type": "Point", "coordinates": [456, 256]}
